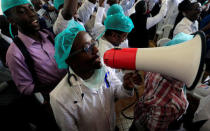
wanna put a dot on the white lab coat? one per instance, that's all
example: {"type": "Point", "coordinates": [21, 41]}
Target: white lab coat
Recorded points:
{"type": "Point", "coordinates": [95, 112]}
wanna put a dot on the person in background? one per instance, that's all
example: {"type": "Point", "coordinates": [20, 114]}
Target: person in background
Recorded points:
{"type": "Point", "coordinates": [68, 9]}
{"type": "Point", "coordinates": [117, 27]}
{"type": "Point", "coordinates": [127, 5]}
{"type": "Point", "coordinates": [151, 4]}
{"type": "Point", "coordinates": [48, 5]}
{"type": "Point", "coordinates": [189, 23]}
{"type": "Point", "coordinates": [40, 76]}
{"type": "Point", "coordinates": [138, 37]}
{"type": "Point", "coordinates": [171, 15]}
{"type": "Point", "coordinates": [95, 25]}
{"type": "Point", "coordinates": [88, 91]}
{"type": "Point", "coordinates": [5, 37]}
{"type": "Point", "coordinates": [110, 3]}
{"type": "Point", "coordinates": [46, 14]}
{"type": "Point", "coordinates": [43, 21]}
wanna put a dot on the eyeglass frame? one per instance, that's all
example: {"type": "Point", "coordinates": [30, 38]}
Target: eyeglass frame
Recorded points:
{"type": "Point", "coordinates": [86, 49]}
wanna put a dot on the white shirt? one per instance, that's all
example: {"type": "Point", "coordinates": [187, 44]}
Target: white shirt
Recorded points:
{"type": "Point", "coordinates": [126, 5]}
{"type": "Point", "coordinates": [171, 15]}
{"type": "Point", "coordinates": [94, 26]}
{"type": "Point", "coordinates": [61, 24]}
{"type": "Point", "coordinates": [104, 45]}
{"type": "Point", "coordinates": [186, 26]}
{"type": "Point", "coordinates": [85, 11]}
{"type": "Point", "coordinates": [151, 21]}
{"type": "Point", "coordinates": [152, 3]}
{"type": "Point", "coordinates": [95, 112]}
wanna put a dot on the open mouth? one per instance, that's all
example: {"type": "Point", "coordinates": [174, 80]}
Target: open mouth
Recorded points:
{"type": "Point", "coordinates": [35, 22]}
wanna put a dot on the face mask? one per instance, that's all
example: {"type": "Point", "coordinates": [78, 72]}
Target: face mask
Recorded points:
{"type": "Point", "coordinates": [96, 80]}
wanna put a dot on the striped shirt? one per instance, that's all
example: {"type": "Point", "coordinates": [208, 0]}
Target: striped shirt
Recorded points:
{"type": "Point", "coordinates": [162, 102]}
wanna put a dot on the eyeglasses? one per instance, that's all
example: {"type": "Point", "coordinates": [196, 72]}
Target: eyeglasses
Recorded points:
{"type": "Point", "coordinates": [87, 49]}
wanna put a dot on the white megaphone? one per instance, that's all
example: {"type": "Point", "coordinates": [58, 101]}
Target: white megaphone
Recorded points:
{"type": "Point", "coordinates": [183, 62]}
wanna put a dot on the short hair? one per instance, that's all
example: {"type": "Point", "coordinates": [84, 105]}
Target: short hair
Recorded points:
{"type": "Point", "coordinates": [185, 6]}
{"type": "Point", "coordinates": [139, 6]}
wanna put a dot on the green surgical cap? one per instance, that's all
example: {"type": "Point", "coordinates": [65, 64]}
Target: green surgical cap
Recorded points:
{"type": "Point", "coordinates": [64, 42]}
{"type": "Point", "coordinates": [114, 9]}
{"type": "Point", "coordinates": [119, 22]}
{"type": "Point", "coordinates": [7, 4]}
{"type": "Point", "coordinates": [179, 38]}
{"type": "Point", "coordinates": [58, 3]}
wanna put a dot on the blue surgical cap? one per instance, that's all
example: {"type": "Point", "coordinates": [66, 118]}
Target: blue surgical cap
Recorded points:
{"type": "Point", "coordinates": [179, 38]}
{"type": "Point", "coordinates": [7, 4]}
{"type": "Point", "coordinates": [64, 42]}
{"type": "Point", "coordinates": [119, 22]}
{"type": "Point", "coordinates": [58, 3]}
{"type": "Point", "coordinates": [114, 9]}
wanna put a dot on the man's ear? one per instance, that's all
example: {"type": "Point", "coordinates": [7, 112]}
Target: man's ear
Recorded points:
{"type": "Point", "coordinates": [68, 60]}
{"type": "Point", "coordinates": [11, 20]}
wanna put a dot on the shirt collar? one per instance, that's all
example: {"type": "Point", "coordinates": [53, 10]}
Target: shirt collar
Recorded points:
{"type": "Point", "coordinates": [187, 21]}
{"type": "Point", "coordinates": [107, 43]}
{"type": "Point", "coordinates": [28, 41]}
{"type": "Point", "coordinates": [79, 81]}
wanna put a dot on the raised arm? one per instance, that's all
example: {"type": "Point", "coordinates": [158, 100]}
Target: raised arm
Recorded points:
{"type": "Point", "coordinates": [69, 9]}
{"type": "Point", "coordinates": [151, 21]}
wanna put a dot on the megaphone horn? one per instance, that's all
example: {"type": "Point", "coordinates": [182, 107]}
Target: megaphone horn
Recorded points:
{"type": "Point", "coordinates": [183, 62]}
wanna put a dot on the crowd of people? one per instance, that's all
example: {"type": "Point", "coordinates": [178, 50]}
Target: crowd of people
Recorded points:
{"type": "Point", "coordinates": [53, 76]}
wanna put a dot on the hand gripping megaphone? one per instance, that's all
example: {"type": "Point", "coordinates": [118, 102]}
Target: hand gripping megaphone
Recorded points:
{"type": "Point", "coordinates": [183, 62]}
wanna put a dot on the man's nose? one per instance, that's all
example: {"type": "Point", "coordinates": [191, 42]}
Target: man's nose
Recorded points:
{"type": "Point", "coordinates": [95, 50]}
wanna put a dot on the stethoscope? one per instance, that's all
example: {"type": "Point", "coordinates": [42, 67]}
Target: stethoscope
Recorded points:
{"type": "Point", "coordinates": [70, 84]}
{"type": "Point", "coordinates": [75, 78]}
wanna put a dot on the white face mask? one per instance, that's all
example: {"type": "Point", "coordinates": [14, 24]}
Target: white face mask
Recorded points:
{"type": "Point", "coordinates": [96, 80]}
